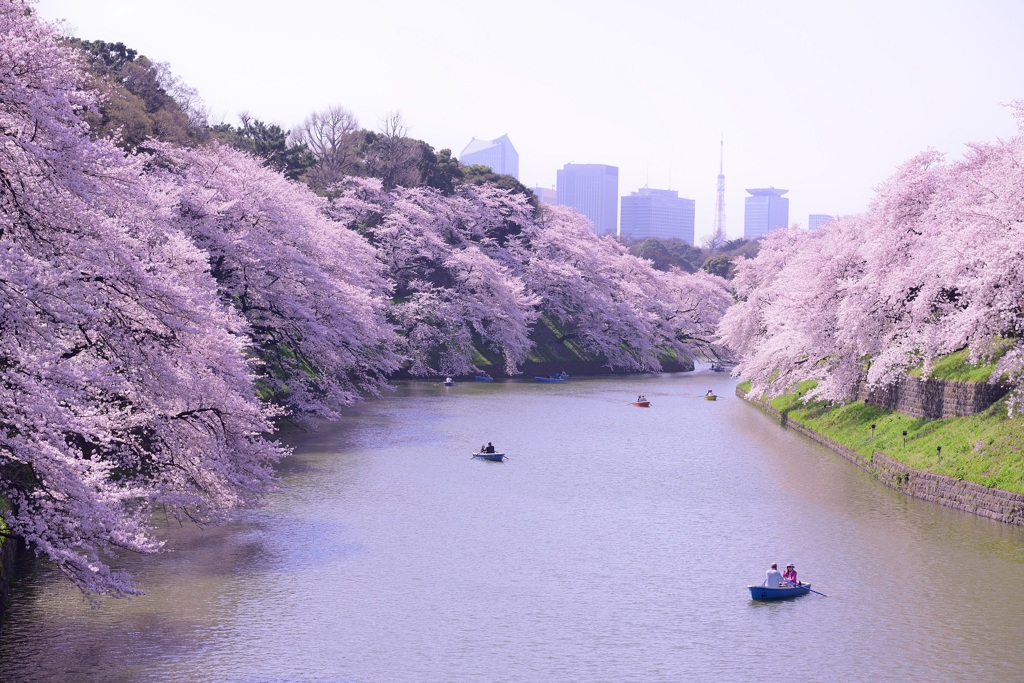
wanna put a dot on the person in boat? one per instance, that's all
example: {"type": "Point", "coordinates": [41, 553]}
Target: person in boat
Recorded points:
{"type": "Point", "coordinates": [483, 449]}
{"type": "Point", "coordinates": [710, 392]}
{"type": "Point", "coordinates": [773, 577]}
{"type": "Point", "coordinates": [789, 576]}
{"type": "Point", "coordinates": [489, 448]}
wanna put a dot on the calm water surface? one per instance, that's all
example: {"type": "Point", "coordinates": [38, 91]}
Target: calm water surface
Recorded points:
{"type": "Point", "coordinates": [614, 545]}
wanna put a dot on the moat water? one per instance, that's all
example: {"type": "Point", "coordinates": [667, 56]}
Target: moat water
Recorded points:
{"type": "Point", "coordinates": [615, 544]}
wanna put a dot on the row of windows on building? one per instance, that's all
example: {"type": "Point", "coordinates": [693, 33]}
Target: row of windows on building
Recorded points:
{"type": "Point", "coordinates": [593, 190]}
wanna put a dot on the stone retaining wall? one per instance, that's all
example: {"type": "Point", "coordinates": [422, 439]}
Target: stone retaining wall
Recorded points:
{"type": "Point", "coordinates": [996, 504]}
{"type": "Point", "coordinates": [933, 399]}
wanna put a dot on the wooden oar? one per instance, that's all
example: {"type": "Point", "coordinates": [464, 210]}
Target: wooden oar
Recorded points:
{"type": "Point", "coordinates": [819, 593]}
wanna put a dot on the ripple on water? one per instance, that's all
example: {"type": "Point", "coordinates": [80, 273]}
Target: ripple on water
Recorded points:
{"type": "Point", "coordinates": [614, 545]}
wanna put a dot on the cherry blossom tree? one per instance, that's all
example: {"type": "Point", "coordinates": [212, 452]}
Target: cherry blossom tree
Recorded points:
{"type": "Point", "coordinates": [690, 307]}
{"type": "Point", "coordinates": [454, 285]}
{"type": "Point", "coordinates": [124, 388]}
{"type": "Point", "coordinates": [615, 305]}
{"type": "Point", "coordinates": [979, 213]}
{"type": "Point", "coordinates": [312, 291]}
{"type": "Point", "coordinates": [148, 303]}
{"type": "Point", "coordinates": [932, 267]}
{"type": "Point", "coordinates": [477, 268]}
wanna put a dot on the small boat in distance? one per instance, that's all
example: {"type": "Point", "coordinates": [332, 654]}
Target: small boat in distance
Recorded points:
{"type": "Point", "coordinates": [484, 378]}
{"type": "Point", "coordinates": [781, 593]}
{"type": "Point", "coordinates": [449, 382]}
{"type": "Point", "coordinates": [551, 379]}
{"type": "Point", "coordinates": [710, 396]}
{"type": "Point", "coordinates": [642, 404]}
{"type": "Point", "coordinates": [493, 457]}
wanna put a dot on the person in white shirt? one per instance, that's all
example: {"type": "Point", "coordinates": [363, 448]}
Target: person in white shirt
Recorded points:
{"type": "Point", "coordinates": [773, 577]}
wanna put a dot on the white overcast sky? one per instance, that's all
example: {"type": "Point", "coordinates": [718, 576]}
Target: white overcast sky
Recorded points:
{"type": "Point", "coordinates": [823, 98]}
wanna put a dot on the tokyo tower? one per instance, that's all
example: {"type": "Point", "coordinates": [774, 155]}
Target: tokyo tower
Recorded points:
{"type": "Point", "coordinates": [718, 234]}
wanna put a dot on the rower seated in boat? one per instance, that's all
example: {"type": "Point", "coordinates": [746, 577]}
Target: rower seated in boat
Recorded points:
{"type": "Point", "coordinates": [773, 577]}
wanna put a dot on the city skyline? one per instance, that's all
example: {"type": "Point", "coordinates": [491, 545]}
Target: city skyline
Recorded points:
{"type": "Point", "coordinates": [763, 211]}
{"type": "Point", "coordinates": [831, 119]}
{"type": "Point", "coordinates": [498, 154]}
{"type": "Point", "coordinates": [817, 220]}
{"type": "Point", "coordinates": [593, 190]}
{"type": "Point", "coordinates": [656, 213]}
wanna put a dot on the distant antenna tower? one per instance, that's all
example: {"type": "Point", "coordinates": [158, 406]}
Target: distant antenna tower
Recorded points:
{"type": "Point", "coordinates": [718, 236]}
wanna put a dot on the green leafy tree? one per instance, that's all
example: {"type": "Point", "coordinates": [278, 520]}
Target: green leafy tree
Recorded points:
{"type": "Point", "coordinates": [655, 251]}
{"type": "Point", "coordinates": [390, 155]}
{"type": "Point", "coordinates": [719, 265]}
{"type": "Point", "coordinates": [668, 254]}
{"type": "Point", "coordinates": [268, 142]}
{"type": "Point", "coordinates": [440, 170]}
{"type": "Point", "coordinates": [136, 105]}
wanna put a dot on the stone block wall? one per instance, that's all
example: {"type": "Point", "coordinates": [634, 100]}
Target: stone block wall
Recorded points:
{"type": "Point", "coordinates": [933, 399]}
{"type": "Point", "coordinates": [1003, 506]}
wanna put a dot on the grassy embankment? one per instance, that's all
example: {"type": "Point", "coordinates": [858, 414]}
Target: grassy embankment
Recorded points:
{"type": "Point", "coordinates": [553, 353]}
{"type": "Point", "coordinates": [986, 448]}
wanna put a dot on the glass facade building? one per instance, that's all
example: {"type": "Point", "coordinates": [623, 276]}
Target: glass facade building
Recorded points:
{"type": "Point", "coordinates": [816, 220]}
{"type": "Point", "coordinates": [765, 210]}
{"type": "Point", "coordinates": [593, 190]}
{"type": "Point", "coordinates": [498, 155]}
{"type": "Point", "coordinates": [546, 195]}
{"type": "Point", "coordinates": [657, 213]}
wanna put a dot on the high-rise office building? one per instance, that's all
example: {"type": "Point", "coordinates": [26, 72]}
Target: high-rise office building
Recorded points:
{"type": "Point", "coordinates": [657, 213]}
{"type": "Point", "coordinates": [816, 220]}
{"type": "Point", "coordinates": [593, 190]}
{"type": "Point", "coordinates": [765, 210]}
{"type": "Point", "coordinates": [499, 155]}
{"type": "Point", "coordinates": [545, 195]}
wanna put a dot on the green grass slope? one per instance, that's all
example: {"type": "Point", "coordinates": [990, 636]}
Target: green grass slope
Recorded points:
{"type": "Point", "coordinates": [986, 448]}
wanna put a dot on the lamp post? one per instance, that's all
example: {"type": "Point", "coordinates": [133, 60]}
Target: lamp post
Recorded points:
{"type": "Point", "coordinates": [904, 438]}
{"type": "Point", "coordinates": [872, 431]}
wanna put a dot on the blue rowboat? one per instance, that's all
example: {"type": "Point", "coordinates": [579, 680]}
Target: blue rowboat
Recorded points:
{"type": "Point", "coordinates": [552, 380]}
{"type": "Point", "coordinates": [765, 593]}
{"type": "Point", "coordinates": [495, 457]}
{"type": "Point", "coordinates": [482, 378]}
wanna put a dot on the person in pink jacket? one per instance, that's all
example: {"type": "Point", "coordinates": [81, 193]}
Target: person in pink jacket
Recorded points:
{"type": "Point", "coordinates": [789, 576]}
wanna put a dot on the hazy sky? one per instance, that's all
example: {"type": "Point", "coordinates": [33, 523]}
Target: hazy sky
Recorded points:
{"type": "Point", "coordinates": [822, 98]}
